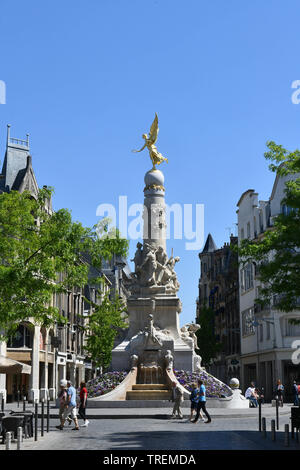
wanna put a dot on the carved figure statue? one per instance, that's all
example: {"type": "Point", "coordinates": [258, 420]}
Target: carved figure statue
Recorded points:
{"type": "Point", "coordinates": [149, 266]}
{"type": "Point", "coordinates": [169, 360]}
{"type": "Point", "coordinates": [189, 331]}
{"type": "Point", "coordinates": [197, 363]}
{"type": "Point", "coordinates": [138, 258]}
{"type": "Point", "coordinates": [161, 258]}
{"type": "Point", "coordinates": [134, 360]}
{"type": "Point", "coordinates": [192, 328]}
{"type": "Point", "coordinates": [150, 140]}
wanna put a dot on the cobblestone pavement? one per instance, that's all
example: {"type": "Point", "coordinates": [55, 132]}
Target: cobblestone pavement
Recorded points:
{"type": "Point", "coordinates": [223, 433]}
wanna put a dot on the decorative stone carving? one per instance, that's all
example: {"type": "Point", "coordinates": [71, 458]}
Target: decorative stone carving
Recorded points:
{"type": "Point", "coordinates": [134, 360]}
{"type": "Point", "coordinates": [169, 360]}
{"type": "Point", "coordinates": [188, 331]}
{"type": "Point", "coordinates": [197, 363]}
{"type": "Point", "coordinates": [138, 259]}
{"type": "Point", "coordinates": [148, 266]}
{"type": "Point", "coordinates": [185, 336]}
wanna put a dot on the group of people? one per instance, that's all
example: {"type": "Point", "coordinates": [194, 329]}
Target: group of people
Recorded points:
{"type": "Point", "coordinates": [68, 404]}
{"type": "Point", "coordinates": [198, 402]}
{"type": "Point", "coordinates": [253, 394]}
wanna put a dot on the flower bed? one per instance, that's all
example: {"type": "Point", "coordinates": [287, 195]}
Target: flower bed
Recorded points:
{"type": "Point", "coordinates": [104, 383]}
{"type": "Point", "coordinates": [107, 382]}
{"type": "Point", "coordinates": [214, 388]}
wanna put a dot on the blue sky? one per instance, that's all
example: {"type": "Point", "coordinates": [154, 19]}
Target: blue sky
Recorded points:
{"type": "Point", "coordinates": [84, 79]}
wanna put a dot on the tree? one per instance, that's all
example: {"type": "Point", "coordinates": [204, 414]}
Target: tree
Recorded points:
{"type": "Point", "coordinates": [209, 346]}
{"type": "Point", "coordinates": [277, 254]}
{"type": "Point", "coordinates": [41, 253]}
{"type": "Point", "coordinates": [102, 327]}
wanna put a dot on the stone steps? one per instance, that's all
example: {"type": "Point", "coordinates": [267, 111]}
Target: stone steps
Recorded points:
{"type": "Point", "coordinates": [150, 387]}
{"type": "Point", "coordinates": [149, 392]}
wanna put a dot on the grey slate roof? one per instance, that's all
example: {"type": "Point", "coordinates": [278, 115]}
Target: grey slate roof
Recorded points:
{"type": "Point", "coordinates": [210, 245]}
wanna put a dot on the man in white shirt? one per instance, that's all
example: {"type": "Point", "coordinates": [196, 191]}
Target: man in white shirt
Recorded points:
{"type": "Point", "coordinates": [250, 394]}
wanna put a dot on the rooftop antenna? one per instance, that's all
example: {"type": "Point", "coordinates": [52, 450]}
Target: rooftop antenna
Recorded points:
{"type": "Point", "coordinates": [8, 134]}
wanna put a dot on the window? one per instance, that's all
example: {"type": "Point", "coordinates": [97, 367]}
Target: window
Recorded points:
{"type": "Point", "coordinates": [248, 230]}
{"type": "Point", "coordinates": [22, 339]}
{"type": "Point", "coordinates": [242, 234]}
{"type": "Point", "coordinates": [261, 226]}
{"type": "Point", "coordinates": [247, 322]}
{"type": "Point", "coordinates": [268, 330]}
{"type": "Point", "coordinates": [292, 330]}
{"type": "Point", "coordinates": [255, 228]}
{"type": "Point", "coordinates": [247, 277]}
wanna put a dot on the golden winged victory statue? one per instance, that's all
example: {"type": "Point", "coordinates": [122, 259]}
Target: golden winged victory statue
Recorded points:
{"type": "Point", "coordinates": [150, 140]}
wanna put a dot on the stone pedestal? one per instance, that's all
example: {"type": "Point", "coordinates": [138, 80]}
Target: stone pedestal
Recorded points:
{"type": "Point", "coordinates": [34, 395]}
{"type": "Point", "coordinates": [44, 394]}
{"type": "Point", "coordinates": [52, 394]}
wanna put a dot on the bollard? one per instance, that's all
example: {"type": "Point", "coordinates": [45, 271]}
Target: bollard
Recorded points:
{"type": "Point", "coordinates": [20, 437]}
{"type": "Point", "coordinates": [36, 421]}
{"type": "Point", "coordinates": [8, 440]}
{"type": "Point", "coordinates": [24, 403]}
{"type": "Point", "coordinates": [48, 414]}
{"type": "Point", "coordinates": [42, 418]}
{"type": "Point", "coordinates": [286, 436]}
{"type": "Point", "coordinates": [264, 427]}
{"type": "Point", "coordinates": [259, 414]}
{"type": "Point", "coordinates": [277, 414]}
{"type": "Point", "coordinates": [273, 432]}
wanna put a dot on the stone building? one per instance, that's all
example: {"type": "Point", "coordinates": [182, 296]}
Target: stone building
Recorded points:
{"type": "Point", "coordinates": [218, 290]}
{"type": "Point", "coordinates": [266, 334]}
{"type": "Point", "coordinates": [56, 352]}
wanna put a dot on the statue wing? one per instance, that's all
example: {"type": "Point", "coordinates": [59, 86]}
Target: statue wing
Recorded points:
{"type": "Point", "coordinates": [154, 130]}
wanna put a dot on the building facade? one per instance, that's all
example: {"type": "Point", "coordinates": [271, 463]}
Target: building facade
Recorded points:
{"type": "Point", "coordinates": [266, 334]}
{"type": "Point", "coordinates": [218, 290]}
{"type": "Point", "coordinates": [58, 352]}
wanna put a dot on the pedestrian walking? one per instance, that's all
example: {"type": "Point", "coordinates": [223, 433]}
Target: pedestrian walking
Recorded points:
{"type": "Point", "coordinates": [295, 393]}
{"type": "Point", "coordinates": [194, 397]}
{"type": "Point", "coordinates": [71, 407]}
{"type": "Point", "coordinates": [63, 403]}
{"type": "Point", "coordinates": [202, 402]}
{"type": "Point", "coordinates": [83, 403]}
{"type": "Point", "coordinates": [177, 398]}
{"type": "Point", "coordinates": [279, 392]}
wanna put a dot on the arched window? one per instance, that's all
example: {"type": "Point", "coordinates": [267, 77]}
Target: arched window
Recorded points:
{"type": "Point", "coordinates": [23, 337]}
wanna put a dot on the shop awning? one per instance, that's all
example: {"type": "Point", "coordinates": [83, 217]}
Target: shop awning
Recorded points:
{"type": "Point", "coordinates": [10, 366]}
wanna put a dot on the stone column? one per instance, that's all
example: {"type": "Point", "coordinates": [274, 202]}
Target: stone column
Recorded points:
{"type": "Point", "coordinates": [155, 208]}
{"type": "Point", "coordinates": [35, 365]}
{"type": "Point", "coordinates": [44, 378]}
{"type": "Point", "coordinates": [81, 374]}
{"type": "Point", "coordinates": [72, 373]}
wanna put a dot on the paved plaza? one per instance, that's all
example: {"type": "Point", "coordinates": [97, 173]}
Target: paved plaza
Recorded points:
{"type": "Point", "coordinates": [152, 429]}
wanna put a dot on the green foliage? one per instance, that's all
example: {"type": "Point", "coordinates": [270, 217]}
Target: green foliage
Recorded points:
{"type": "Point", "coordinates": [206, 336]}
{"type": "Point", "coordinates": [103, 325]}
{"type": "Point", "coordinates": [41, 254]}
{"type": "Point", "coordinates": [277, 254]}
